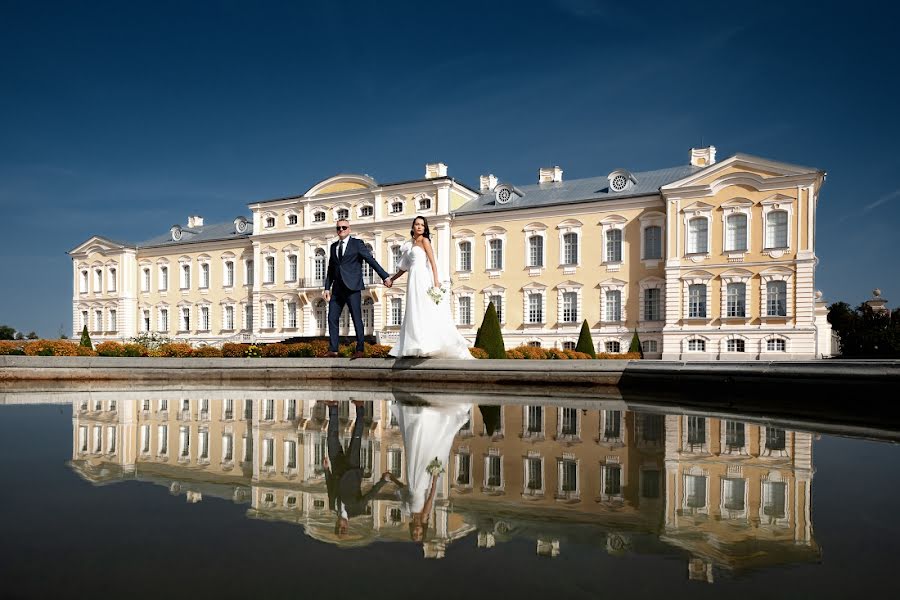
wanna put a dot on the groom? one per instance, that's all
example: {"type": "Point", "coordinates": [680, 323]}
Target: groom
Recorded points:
{"type": "Point", "coordinates": [344, 285]}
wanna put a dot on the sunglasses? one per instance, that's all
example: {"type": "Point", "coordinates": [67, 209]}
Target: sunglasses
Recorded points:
{"type": "Point", "coordinates": [342, 227]}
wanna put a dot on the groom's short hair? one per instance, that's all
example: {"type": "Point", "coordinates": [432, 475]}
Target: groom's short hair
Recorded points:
{"type": "Point", "coordinates": [347, 221]}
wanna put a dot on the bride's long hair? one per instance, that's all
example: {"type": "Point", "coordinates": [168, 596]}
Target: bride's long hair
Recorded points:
{"type": "Point", "coordinates": [412, 229]}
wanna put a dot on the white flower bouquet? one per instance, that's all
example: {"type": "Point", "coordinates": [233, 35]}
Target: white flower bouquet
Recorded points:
{"type": "Point", "coordinates": [437, 294]}
{"type": "Point", "coordinates": [435, 467]}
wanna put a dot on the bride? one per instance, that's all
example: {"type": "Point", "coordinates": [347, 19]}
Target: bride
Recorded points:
{"type": "Point", "coordinates": [428, 328]}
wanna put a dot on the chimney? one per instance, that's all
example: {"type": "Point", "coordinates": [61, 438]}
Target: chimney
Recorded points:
{"type": "Point", "coordinates": [195, 221]}
{"type": "Point", "coordinates": [550, 175]}
{"type": "Point", "coordinates": [488, 182]}
{"type": "Point", "coordinates": [435, 170]}
{"type": "Point", "coordinates": [703, 157]}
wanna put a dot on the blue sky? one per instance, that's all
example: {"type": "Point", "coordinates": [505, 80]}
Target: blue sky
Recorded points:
{"type": "Point", "coordinates": [121, 118]}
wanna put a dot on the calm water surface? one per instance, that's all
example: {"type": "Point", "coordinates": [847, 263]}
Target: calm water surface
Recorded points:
{"type": "Point", "coordinates": [228, 496]}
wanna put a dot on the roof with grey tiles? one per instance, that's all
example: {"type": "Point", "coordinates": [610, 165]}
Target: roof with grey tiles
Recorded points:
{"type": "Point", "coordinates": [577, 190]}
{"type": "Point", "coordinates": [205, 233]}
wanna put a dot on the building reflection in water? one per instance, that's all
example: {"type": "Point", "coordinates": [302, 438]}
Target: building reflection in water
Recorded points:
{"type": "Point", "coordinates": [726, 495]}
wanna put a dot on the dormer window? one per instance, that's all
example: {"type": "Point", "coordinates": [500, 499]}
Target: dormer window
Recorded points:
{"type": "Point", "coordinates": [620, 180]}
{"type": "Point", "coordinates": [343, 214]}
{"type": "Point", "coordinates": [503, 194]}
{"type": "Point", "coordinates": [240, 225]}
{"type": "Point", "coordinates": [176, 233]}
{"type": "Point", "coordinates": [366, 211]}
{"type": "Point", "coordinates": [319, 217]}
{"type": "Point", "coordinates": [270, 222]}
{"type": "Point", "coordinates": [396, 208]}
{"type": "Point", "coordinates": [292, 220]}
{"type": "Point", "coordinates": [425, 203]}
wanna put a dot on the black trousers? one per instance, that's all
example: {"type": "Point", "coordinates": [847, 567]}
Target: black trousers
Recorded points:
{"type": "Point", "coordinates": [352, 459]}
{"type": "Point", "coordinates": [341, 295]}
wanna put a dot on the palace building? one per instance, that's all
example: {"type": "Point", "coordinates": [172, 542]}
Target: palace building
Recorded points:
{"type": "Point", "coordinates": [709, 260]}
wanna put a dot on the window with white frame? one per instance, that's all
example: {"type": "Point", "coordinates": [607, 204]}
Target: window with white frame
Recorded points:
{"type": "Point", "coordinates": [776, 345]}
{"type": "Point", "coordinates": [424, 203]}
{"type": "Point", "coordinates": [698, 235]}
{"type": "Point", "coordinates": [568, 476]}
{"type": "Point", "coordinates": [248, 272]}
{"type": "Point", "coordinates": [493, 471]}
{"type": "Point", "coordinates": [611, 480]}
{"type": "Point", "coordinates": [319, 216]}
{"type": "Point", "coordinates": [111, 284]}
{"type": "Point", "coordinates": [612, 347]}
{"type": "Point", "coordinates": [696, 432]}
{"type": "Point", "coordinates": [163, 319]}
{"type": "Point", "coordinates": [98, 280]}
{"type": "Point", "coordinates": [319, 265]}
{"type": "Point", "coordinates": [396, 255]}
{"type": "Point", "coordinates": [613, 302]}
{"type": "Point", "coordinates": [736, 232]}
{"type": "Point", "coordinates": [229, 273]}
{"type": "Point", "coordinates": [84, 319]}
{"type": "Point", "coordinates": [290, 410]}
{"type": "Point", "coordinates": [269, 453]}
{"type": "Point", "coordinates": [611, 421]}
{"type": "Point", "coordinates": [534, 344]}
{"type": "Point", "coordinates": [292, 219]}
{"type": "Point", "coordinates": [396, 207]}
{"type": "Point", "coordinates": [649, 346]}
{"type": "Point", "coordinates": [185, 277]}
{"type": "Point", "coordinates": [653, 242]}
{"type": "Point", "coordinates": [777, 229]}
{"type": "Point", "coordinates": [290, 453]}
{"type": "Point", "coordinates": [536, 251]}
{"type": "Point", "coordinates": [163, 278]}
{"type": "Point", "coordinates": [776, 299]}
{"type": "Point", "coordinates": [98, 438]}
{"type": "Point", "coordinates": [733, 496]}
{"type": "Point", "coordinates": [291, 314]}
{"type": "Point", "coordinates": [203, 444]}
{"type": "Point", "coordinates": [534, 419]}
{"type": "Point", "coordinates": [291, 267]}
{"type": "Point", "coordinates": [204, 318]}
{"type": "Point", "coordinates": [534, 474]}
{"type": "Point", "coordinates": [464, 315]}
{"type": "Point", "coordinates": [248, 316]}
{"type": "Point", "coordinates": [497, 300]}
{"type": "Point", "coordinates": [568, 421]}
{"type": "Point", "coordinates": [227, 447]}
{"type": "Point", "coordinates": [270, 315]}
{"type": "Point", "coordinates": [145, 321]}
{"type": "Point", "coordinates": [774, 500]}
{"type": "Point", "coordinates": [368, 313]}
{"type": "Point", "coordinates": [185, 324]}
{"type": "Point", "coordinates": [269, 410]}
{"type": "Point", "coordinates": [695, 491]}
{"type": "Point", "coordinates": [145, 439]}
{"type": "Point", "coordinates": [98, 320]}
{"type": "Point", "coordinates": [697, 301]}
{"type": "Point", "coordinates": [145, 279]}
{"type": "Point", "coordinates": [228, 317]}
{"type": "Point", "coordinates": [270, 270]}
{"type": "Point", "coordinates": [270, 222]}
{"type": "Point", "coordinates": [162, 439]}
{"type": "Point", "coordinates": [184, 441]}
{"type": "Point", "coordinates": [342, 214]}
{"type": "Point", "coordinates": [395, 461]}
{"type": "Point", "coordinates": [613, 245]}
{"type": "Point", "coordinates": [735, 305]}
{"type": "Point", "coordinates": [535, 307]}
{"type": "Point", "coordinates": [652, 304]}
{"type": "Point", "coordinates": [366, 211]}
{"type": "Point", "coordinates": [464, 250]}
{"type": "Point", "coordinates": [570, 248]}
{"type": "Point", "coordinates": [568, 345]}
{"type": "Point", "coordinates": [735, 345]}
{"type": "Point", "coordinates": [83, 285]}
{"type": "Point", "coordinates": [735, 436]}
{"type": "Point", "coordinates": [495, 254]}
{"type": "Point", "coordinates": [112, 320]}
{"type": "Point", "coordinates": [320, 314]}
{"type": "Point", "coordinates": [396, 311]}
{"type": "Point", "coordinates": [570, 307]}
{"type": "Point", "coordinates": [204, 275]}
{"type": "Point", "coordinates": [696, 345]}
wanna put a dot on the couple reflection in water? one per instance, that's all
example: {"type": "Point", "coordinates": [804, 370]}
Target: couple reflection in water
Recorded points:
{"type": "Point", "coordinates": [428, 433]}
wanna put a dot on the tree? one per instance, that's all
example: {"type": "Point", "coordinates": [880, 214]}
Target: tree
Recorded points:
{"type": "Point", "coordinates": [636, 344]}
{"type": "Point", "coordinates": [32, 335]}
{"type": "Point", "coordinates": [7, 332]}
{"type": "Point", "coordinates": [585, 342]}
{"type": "Point", "coordinates": [86, 338]}
{"type": "Point", "coordinates": [20, 335]}
{"type": "Point", "coordinates": [491, 340]}
{"type": "Point", "coordinates": [865, 333]}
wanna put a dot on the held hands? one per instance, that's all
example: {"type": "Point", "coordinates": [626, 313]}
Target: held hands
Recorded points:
{"type": "Point", "coordinates": [388, 282]}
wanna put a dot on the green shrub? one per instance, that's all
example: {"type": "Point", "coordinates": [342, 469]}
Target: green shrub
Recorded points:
{"type": "Point", "coordinates": [490, 338]}
{"type": "Point", "coordinates": [636, 345]}
{"type": "Point", "coordinates": [86, 338]}
{"type": "Point", "coordinates": [585, 342]}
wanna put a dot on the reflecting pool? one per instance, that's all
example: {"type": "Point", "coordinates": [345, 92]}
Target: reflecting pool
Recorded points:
{"type": "Point", "coordinates": [393, 494]}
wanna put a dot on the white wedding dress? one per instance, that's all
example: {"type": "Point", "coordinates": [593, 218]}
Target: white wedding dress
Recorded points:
{"type": "Point", "coordinates": [428, 328]}
{"type": "Point", "coordinates": [428, 433]}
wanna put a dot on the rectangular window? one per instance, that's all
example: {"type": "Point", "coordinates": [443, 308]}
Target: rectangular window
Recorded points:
{"type": "Point", "coordinates": [163, 279]}
{"type": "Point", "coordinates": [270, 316]}
{"type": "Point", "coordinates": [145, 321]}
{"type": "Point", "coordinates": [612, 347]}
{"type": "Point", "coordinates": [111, 284]}
{"type": "Point", "coordinates": [696, 434]}
{"type": "Point", "coordinates": [734, 435]}
{"type": "Point", "coordinates": [248, 316]}
{"type": "Point", "coordinates": [465, 256]}
{"type": "Point", "coordinates": [736, 232]}
{"type": "Point", "coordinates": [396, 311]}
{"type": "Point", "coordinates": [98, 281]}
{"type": "Point", "coordinates": [612, 480]}
{"type": "Point", "coordinates": [734, 302]}
{"type": "Point", "coordinates": [697, 345]}
{"type": "Point", "coordinates": [535, 308]}
{"type": "Point", "coordinates": [113, 326]}
{"type": "Point", "coordinates": [733, 493]}
{"type": "Point", "coordinates": [534, 419]}
{"type": "Point", "coordinates": [465, 310]}
{"type": "Point", "coordinates": [248, 272]}
{"type": "Point", "coordinates": [777, 229]}
{"type": "Point", "coordinates": [145, 280]}
{"type": "Point", "coordinates": [145, 439]}
{"type": "Point", "coordinates": [497, 299]}
{"type": "Point", "coordinates": [395, 461]}
{"type": "Point", "coordinates": [292, 267]}
{"type": "Point", "coordinates": [774, 499]}
{"type": "Point", "coordinates": [185, 277]}
{"type": "Point", "coordinates": [534, 476]}
{"type": "Point", "coordinates": [98, 320]}
{"type": "Point", "coordinates": [268, 452]}
{"type": "Point", "coordinates": [185, 319]}
{"type": "Point", "coordinates": [204, 318]}
{"type": "Point", "coordinates": [569, 421]}
{"type": "Point", "coordinates": [698, 229]}
{"type": "Point", "coordinates": [776, 345]}
{"type": "Point", "coordinates": [184, 441]}
{"type": "Point", "coordinates": [290, 454]}
{"type": "Point", "coordinates": [570, 249]}
{"type": "Point", "coordinates": [493, 472]}
{"type": "Point", "coordinates": [228, 318]}
{"type": "Point", "coordinates": [653, 242]}
{"type": "Point", "coordinates": [229, 274]}
{"type": "Point", "coordinates": [775, 438]}
{"type": "Point", "coordinates": [111, 439]}
{"type": "Point", "coordinates": [227, 447]}
{"type": "Point", "coordinates": [248, 449]}
{"type": "Point", "coordinates": [248, 409]}
{"type": "Point", "coordinates": [694, 491]}
{"type": "Point", "coordinates": [463, 469]}
{"type": "Point", "coordinates": [228, 409]}
{"type": "Point", "coordinates": [98, 438]}
{"type": "Point", "coordinates": [162, 442]}
{"type": "Point", "coordinates": [612, 425]}
{"type": "Point", "coordinates": [776, 299]}
{"type": "Point", "coordinates": [650, 483]}
{"type": "Point", "coordinates": [536, 251]}
{"type": "Point", "coordinates": [270, 269]}
{"type": "Point", "coordinates": [292, 314]}
{"type": "Point", "coordinates": [568, 476]}
{"type": "Point", "coordinates": [614, 245]}
{"type": "Point", "coordinates": [291, 411]}
{"type": "Point", "coordinates": [697, 301]}
{"type": "Point", "coordinates": [270, 409]}
{"type": "Point", "coordinates": [83, 286]}
{"type": "Point", "coordinates": [496, 255]}
{"type": "Point", "coordinates": [613, 305]}
{"type": "Point", "coordinates": [395, 258]}
{"type": "Point", "coordinates": [652, 304]}
{"type": "Point", "coordinates": [204, 444]}
{"type": "Point", "coordinates": [570, 307]}
{"type": "Point", "coordinates": [204, 275]}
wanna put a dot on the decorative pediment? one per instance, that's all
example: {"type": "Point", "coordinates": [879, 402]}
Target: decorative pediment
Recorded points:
{"type": "Point", "coordinates": [737, 203]}
{"type": "Point", "coordinates": [777, 199]}
{"type": "Point", "coordinates": [534, 285]}
{"type": "Point", "coordinates": [697, 275]}
{"type": "Point", "coordinates": [741, 169]}
{"type": "Point", "coordinates": [613, 220]}
{"type": "Point", "coordinates": [98, 244]}
{"type": "Point", "coordinates": [612, 282]}
{"type": "Point", "coordinates": [569, 285]}
{"type": "Point", "coordinates": [493, 289]}
{"type": "Point", "coordinates": [463, 233]}
{"type": "Point", "coordinates": [341, 183]}
{"type": "Point", "coordinates": [697, 207]}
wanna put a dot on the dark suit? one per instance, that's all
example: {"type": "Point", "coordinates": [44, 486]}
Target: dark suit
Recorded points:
{"type": "Point", "coordinates": [346, 278]}
{"type": "Point", "coordinates": [344, 479]}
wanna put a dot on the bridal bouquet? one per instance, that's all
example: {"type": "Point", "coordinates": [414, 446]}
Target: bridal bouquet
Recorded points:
{"type": "Point", "coordinates": [434, 467]}
{"type": "Point", "coordinates": [437, 294]}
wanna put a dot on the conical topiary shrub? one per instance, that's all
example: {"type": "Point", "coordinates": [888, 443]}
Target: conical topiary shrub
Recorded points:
{"type": "Point", "coordinates": [636, 344]}
{"type": "Point", "coordinates": [585, 342]}
{"type": "Point", "coordinates": [86, 338]}
{"type": "Point", "coordinates": [490, 339]}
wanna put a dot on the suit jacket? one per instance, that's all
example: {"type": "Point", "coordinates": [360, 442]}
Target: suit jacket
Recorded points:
{"type": "Point", "coordinates": [350, 266]}
{"type": "Point", "coordinates": [346, 487]}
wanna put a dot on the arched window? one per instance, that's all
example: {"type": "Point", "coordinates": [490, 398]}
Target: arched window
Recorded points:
{"type": "Point", "coordinates": [776, 345]}
{"type": "Point", "coordinates": [292, 220]}
{"type": "Point", "coordinates": [270, 222]}
{"type": "Point", "coordinates": [734, 301]}
{"type": "Point", "coordinates": [366, 211]}
{"type": "Point", "coordinates": [697, 301]}
{"type": "Point", "coordinates": [777, 229]}
{"type": "Point", "coordinates": [368, 271]}
{"type": "Point", "coordinates": [343, 214]}
{"type": "Point", "coordinates": [735, 345]}
{"type": "Point", "coordinates": [395, 258]}
{"type": "Point", "coordinates": [292, 267]}
{"type": "Point", "coordinates": [614, 245]}
{"type": "Point", "coordinates": [496, 254]}
{"type": "Point", "coordinates": [653, 242]}
{"type": "Point", "coordinates": [396, 208]}
{"type": "Point", "coordinates": [536, 251]}
{"type": "Point", "coordinates": [465, 256]}
{"type": "Point", "coordinates": [613, 305]}
{"type": "Point", "coordinates": [319, 216]}
{"type": "Point", "coordinates": [570, 248]}
{"type": "Point", "coordinates": [424, 203]}
{"type": "Point", "coordinates": [697, 345]}
{"type": "Point", "coordinates": [776, 299]}
{"type": "Point", "coordinates": [319, 265]}
{"type": "Point", "coordinates": [698, 228]}
{"type": "Point", "coordinates": [612, 347]}
{"type": "Point", "coordinates": [736, 232]}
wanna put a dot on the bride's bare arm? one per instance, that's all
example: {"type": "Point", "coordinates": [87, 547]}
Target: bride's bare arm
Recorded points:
{"type": "Point", "coordinates": [426, 245]}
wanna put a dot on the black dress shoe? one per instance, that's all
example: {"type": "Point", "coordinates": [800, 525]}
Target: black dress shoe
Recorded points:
{"type": "Point", "coordinates": [332, 355]}
{"type": "Point", "coordinates": [359, 355]}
